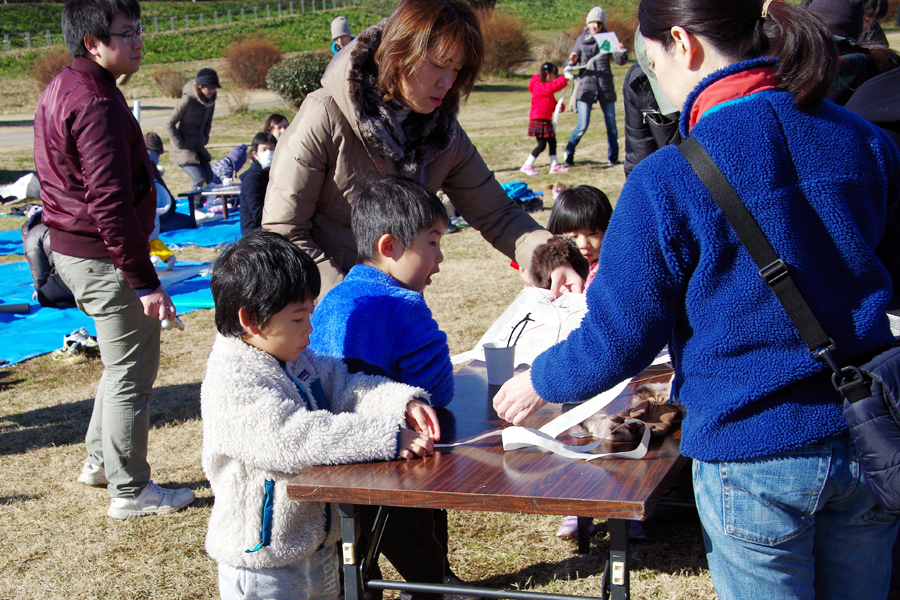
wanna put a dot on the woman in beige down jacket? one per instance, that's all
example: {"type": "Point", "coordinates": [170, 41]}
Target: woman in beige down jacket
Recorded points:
{"type": "Point", "coordinates": [190, 124]}
{"type": "Point", "coordinates": [389, 104]}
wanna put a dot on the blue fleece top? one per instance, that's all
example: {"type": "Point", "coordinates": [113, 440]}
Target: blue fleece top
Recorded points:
{"type": "Point", "coordinates": [369, 318]}
{"type": "Point", "coordinates": [824, 187]}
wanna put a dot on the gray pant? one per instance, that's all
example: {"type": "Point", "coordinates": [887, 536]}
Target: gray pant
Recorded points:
{"type": "Point", "coordinates": [312, 578]}
{"type": "Point", "coordinates": [129, 347]}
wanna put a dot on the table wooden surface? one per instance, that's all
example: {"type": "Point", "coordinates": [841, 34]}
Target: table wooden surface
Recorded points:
{"type": "Point", "coordinates": [484, 477]}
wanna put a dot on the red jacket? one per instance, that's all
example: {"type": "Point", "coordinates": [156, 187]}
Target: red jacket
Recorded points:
{"type": "Point", "coordinates": [95, 173]}
{"type": "Point", "coordinates": [542, 99]}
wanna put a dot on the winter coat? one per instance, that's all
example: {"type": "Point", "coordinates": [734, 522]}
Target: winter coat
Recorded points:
{"type": "Point", "coordinates": [824, 185]}
{"type": "Point", "coordinates": [189, 126]}
{"type": "Point", "coordinates": [878, 100]}
{"type": "Point", "coordinates": [253, 194]}
{"type": "Point", "coordinates": [543, 102]}
{"type": "Point", "coordinates": [377, 326]}
{"type": "Point", "coordinates": [260, 431]}
{"type": "Point", "coordinates": [596, 83]}
{"type": "Point", "coordinates": [345, 135]}
{"type": "Point", "coordinates": [96, 178]}
{"type": "Point", "coordinates": [646, 129]}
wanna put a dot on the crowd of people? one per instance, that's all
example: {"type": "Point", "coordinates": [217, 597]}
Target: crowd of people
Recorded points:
{"type": "Point", "coordinates": [340, 212]}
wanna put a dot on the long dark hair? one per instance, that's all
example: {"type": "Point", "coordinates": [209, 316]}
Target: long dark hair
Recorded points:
{"type": "Point", "coordinates": [805, 49]}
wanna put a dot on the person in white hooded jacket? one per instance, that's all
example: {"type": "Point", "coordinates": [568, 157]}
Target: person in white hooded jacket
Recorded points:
{"type": "Point", "coordinates": [271, 408]}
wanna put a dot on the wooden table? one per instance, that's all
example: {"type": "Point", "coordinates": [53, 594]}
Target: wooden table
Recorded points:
{"type": "Point", "coordinates": [484, 477]}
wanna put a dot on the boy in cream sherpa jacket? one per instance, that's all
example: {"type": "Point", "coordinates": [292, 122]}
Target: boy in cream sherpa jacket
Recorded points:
{"type": "Point", "coordinates": [271, 408]}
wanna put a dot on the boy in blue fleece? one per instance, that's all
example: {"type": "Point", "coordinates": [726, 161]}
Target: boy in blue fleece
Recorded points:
{"type": "Point", "coordinates": [377, 321]}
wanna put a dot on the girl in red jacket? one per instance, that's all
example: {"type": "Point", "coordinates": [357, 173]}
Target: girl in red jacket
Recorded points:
{"type": "Point", "coordinates": [543, 86]}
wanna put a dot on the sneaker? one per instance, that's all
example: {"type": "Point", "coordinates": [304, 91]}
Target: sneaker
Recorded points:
{"type": "Point", "coordinates": [92, 475]}
{"type": "Point", "coordinates": [73, 354]}
{"type": "Point", "coordinates": [153, 500]}
{"type": "Point", "coordinates": [613, 163]}
{"type": "Point", "coordinates": [451, 228]}
{"type": "Point", "coordinates": [569, 528]}
{"type": "Point", "coordinates": [558, 168]}
{"type": "Point", "coordinates": [528, 170]}
{"type": "Point", "coordinates": [81, 337]}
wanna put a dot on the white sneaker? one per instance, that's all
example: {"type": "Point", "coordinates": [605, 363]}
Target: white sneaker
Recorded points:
{"type": "Point", "coordinates": [153, 500]}
{"type": "Point", "coordinates": [92, 475]}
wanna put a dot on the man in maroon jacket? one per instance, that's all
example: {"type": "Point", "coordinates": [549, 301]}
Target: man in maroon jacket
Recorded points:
{"type": "Point", "coordinates": [99, 203]}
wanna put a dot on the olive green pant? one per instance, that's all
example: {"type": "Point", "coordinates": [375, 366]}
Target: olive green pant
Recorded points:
{"type": "Point", "coordinates": [129, 348]}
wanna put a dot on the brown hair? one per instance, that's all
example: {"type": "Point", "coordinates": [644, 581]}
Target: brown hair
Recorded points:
{"type": "Point", "coordinates": [417, 26]}
{"type": "Point", "coordinates": [805, 49]}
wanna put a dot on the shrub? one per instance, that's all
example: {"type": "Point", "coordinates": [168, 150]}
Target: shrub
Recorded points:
{"type": "Point", "coordinates": [169, 81]}
{"type": "Point", "coordinates": [46, 67]}
{"type": "Point", "coordinates": [248, 62]}
{"type": "Point", "coordinates": [296, 77]}
{"type": "Point", "coordinates": [505, 42]}
{"type": "Point", "coordinates": [557, 50]}
{"type": "Point", "coordinates": [624, 29]}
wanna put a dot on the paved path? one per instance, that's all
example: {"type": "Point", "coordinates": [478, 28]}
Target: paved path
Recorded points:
{"type": "Point", "coordinates": [17, 131]}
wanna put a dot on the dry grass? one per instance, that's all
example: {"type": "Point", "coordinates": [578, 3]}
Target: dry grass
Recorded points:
{"type": "Point", "coordinates": [56, 542]}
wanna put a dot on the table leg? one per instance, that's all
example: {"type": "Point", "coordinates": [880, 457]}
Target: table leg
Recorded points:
{"type": "Point", "coordinates": [224, 207]}
{"type": "Point", "coordinates": [584, 536]}
{"type": "Point", "coordinates": [193, 197]}
{"type": "Point", "coordinates": [350, 555]}
{"type": "Point", "coordinates": [619, 581]}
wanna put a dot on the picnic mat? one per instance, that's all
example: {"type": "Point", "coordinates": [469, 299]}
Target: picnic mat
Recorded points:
{"type": "Point", "coordinates": [208, 235]}
{"type": "Point", "coordinates": [42, 330]}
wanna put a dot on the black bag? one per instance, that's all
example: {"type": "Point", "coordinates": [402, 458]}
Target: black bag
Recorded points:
{"type": "Point", "coordinates": [870, 392]}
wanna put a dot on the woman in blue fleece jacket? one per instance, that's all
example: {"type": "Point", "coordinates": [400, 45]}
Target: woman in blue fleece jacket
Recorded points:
{"type": "Point", "coordinates": [785, 509]}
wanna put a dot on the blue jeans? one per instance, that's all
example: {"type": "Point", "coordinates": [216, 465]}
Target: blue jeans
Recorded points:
{"type": "Point", "coordinates": [795, 525]}
{"type": "Point", "coordinates": [584, 120]}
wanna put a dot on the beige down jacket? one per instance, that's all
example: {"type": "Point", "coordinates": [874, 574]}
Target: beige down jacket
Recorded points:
{"type": "Point", "coordinates": [344, 135]}
{"type": "Point", "coordinates": [189, 126]}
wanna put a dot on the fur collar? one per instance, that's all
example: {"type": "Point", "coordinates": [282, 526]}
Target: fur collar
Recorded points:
{"type": "Point", "coordinates": [421, 139]}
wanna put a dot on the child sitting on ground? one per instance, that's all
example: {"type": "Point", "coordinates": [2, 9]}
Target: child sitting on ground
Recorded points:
{"type": "Point", "coordinates": [581, 214]}
{"type": "Point", "coordinates": [255, 180]}
{"type": "Point", "coordinates": [271, 408]}
{"type": "Point", "coordinates": [377, 321]}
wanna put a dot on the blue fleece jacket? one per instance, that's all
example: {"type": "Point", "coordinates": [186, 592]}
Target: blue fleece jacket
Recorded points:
{"type": "Point", "coordinates": [824, 187]}
{"type": "Point", "coordinates": [381, 328]}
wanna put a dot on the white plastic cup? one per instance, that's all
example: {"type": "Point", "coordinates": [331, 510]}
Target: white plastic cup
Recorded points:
{"type": "Point", "coordinates": [500, 360]}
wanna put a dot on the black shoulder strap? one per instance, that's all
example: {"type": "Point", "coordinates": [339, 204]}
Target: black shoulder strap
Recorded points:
{"type": "Point", "coordinates": [771, 268]}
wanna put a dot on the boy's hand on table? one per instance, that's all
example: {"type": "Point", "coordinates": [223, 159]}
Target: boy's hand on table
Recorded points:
{"type": "Point", "coordinates": [422, 418]}
{"type": "Point", "coordinates": [517, 400]}
{"type": "Point", "coordinates": [413, 444]}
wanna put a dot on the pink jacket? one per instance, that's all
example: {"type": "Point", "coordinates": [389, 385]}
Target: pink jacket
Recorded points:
{"type": "Point", "coordinates": [542, 96]}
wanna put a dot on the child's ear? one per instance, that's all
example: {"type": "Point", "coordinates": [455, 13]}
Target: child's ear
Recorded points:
{"type": "Point", "coordinates": [387, 247]}
{"type": "Point", "coordinates": [247, 323]}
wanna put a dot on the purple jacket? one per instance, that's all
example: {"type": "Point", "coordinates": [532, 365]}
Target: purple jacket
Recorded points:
{"type": "Point", "coordinates": [95, 173]}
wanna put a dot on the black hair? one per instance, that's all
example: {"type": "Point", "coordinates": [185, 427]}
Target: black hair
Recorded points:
{"type": "Point", "coordinates": [580, 207]}
{"type": "Point", "coordinates": [93, 17]}
{"type": "Point", "coordinates": [262, 272]}
{"type": "Point", "coordinates": [549, 72]}
{"type": "Point", "coordinates": [396, 205]}
{"type": "Point", "coordinates": [263, 137]}
{"type": "Point", "coordinates": [273, 120]}
{"type": "Point", "coordinates": [805, 49]}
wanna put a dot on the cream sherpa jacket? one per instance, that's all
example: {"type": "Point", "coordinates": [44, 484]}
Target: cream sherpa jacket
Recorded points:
{"type": "Point", "coordinates": [259, 432]}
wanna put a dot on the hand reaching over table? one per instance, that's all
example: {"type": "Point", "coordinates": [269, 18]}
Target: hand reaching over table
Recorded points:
{"type": "Point", "coordinates": [517, 400]}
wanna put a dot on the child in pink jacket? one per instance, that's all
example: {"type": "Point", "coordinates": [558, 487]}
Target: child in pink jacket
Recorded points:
{"type": "Point", "coordinates": [543, 86]}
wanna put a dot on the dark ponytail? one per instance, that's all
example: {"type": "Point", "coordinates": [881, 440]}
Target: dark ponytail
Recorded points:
{"type": "Point", "coordinates": [805, 49]}
{"type": "Point", "coordinates": [549, 72]}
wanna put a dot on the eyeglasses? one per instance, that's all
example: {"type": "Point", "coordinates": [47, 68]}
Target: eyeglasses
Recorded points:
{"type": "Point", "coordinates": [130, 34]}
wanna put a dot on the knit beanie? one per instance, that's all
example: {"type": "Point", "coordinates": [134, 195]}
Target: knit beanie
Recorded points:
{"type": "Point", "coordinates": [843, 18]}
{"type": "Point", "coordinates": [208, 78]}
{"type": "Point", "coordinates": [597, 14]}
{"type": "Point", "coordinates": [153, 142]}
{"type": "Point", "coordinates": [339, 27]}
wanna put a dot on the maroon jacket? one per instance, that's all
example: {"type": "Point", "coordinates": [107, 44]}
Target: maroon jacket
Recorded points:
{"type": "Point", "coordinates": [95, 173]}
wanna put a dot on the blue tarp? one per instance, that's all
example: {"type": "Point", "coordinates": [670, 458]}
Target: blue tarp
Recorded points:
{"type": "Point", "coordinates": [208, 235]}
{"type": "Point", "coordinates": [42, 330]}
